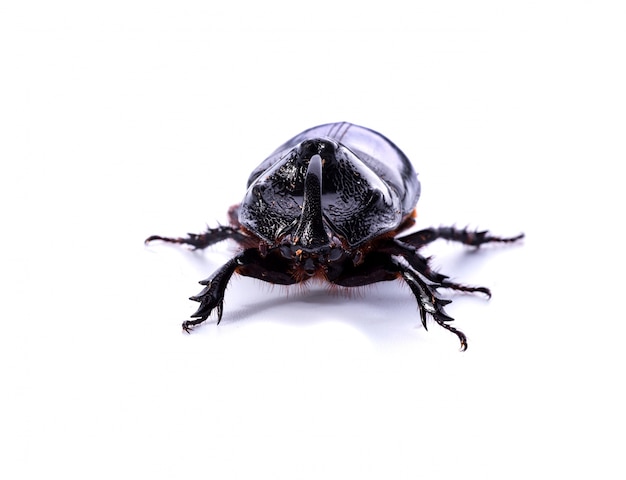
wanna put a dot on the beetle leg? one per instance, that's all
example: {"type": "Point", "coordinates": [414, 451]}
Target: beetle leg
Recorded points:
{"type": "Point", "coordinates": [249, 263]}
{"type": "Point", "coordinates": [202, 240]}
{"type": "Point", "coordinates": [468, 237]}
{"type": "Point", "coordinates": [379, 267]}
{"type": "Point", "coordinates": [430, 303]}
{"type": "Point", "coordinates": [212, 296]}
{"type": "Point", "coordinates": [420, 264]}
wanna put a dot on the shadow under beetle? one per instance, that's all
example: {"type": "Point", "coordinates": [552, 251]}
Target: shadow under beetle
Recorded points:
{"type": "Point", "coordinates": [328, 205]}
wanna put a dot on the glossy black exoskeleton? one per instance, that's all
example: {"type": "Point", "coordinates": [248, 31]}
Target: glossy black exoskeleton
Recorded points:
{"type": "Point", "coordinates": [329, 204]}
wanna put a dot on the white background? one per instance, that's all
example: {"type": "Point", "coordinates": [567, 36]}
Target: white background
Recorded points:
{"type": "Point", "coordinates": [123, 119]}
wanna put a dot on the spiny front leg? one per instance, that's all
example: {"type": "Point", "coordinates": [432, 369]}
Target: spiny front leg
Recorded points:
{"type": "Point", "coordinates": [382, 266]}
{"type": "Point", "coordinates": [212, 296]}
{"type": "Point", "coordinates": [468, 237]}
{"type": "Point", "coordinates": [202, 240]}
{"type": "Point", "coordinates": [430, 303]}
{"type": "Point", "coordinates": [272, 268]}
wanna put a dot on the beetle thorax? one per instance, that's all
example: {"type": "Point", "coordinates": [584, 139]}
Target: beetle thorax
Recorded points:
{"type": "Point", "coordinates": [314, 192]}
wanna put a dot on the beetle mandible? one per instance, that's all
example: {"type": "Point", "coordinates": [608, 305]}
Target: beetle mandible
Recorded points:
{"type": "Point", "coordinates": [329, 204]}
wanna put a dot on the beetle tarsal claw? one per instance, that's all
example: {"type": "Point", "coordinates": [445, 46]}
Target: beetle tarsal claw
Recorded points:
{"type": "Point", "coordinates": [220, 310]}
{"type": "Point", "coordinates": [333, 204]}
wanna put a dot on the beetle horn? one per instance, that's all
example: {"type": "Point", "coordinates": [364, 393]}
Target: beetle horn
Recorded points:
{"type": "Point", "coordinates": [310, 232]}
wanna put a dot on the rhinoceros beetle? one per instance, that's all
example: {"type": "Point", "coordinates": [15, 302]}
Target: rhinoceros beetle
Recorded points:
{"type": "Point", "coordinates": [329, 204]}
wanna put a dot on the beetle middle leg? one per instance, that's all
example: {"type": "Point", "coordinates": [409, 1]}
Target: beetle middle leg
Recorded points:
{"type": "Point", "coordinates": [466, 236]}
{"type": "Point", "coordinates": [420, 264]}
{"type": "Point", "coordinates": [202, 240]}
